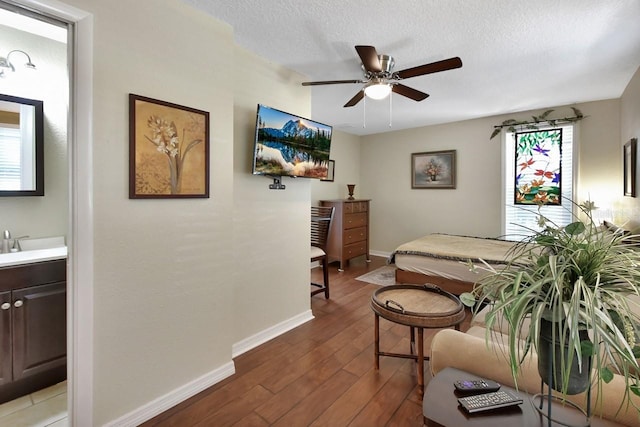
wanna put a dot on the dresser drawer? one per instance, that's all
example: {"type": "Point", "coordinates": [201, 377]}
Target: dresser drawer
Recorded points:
{"type": "Point", "coordinates": [355, 220]}
{"type": "Point", "coordinates": [355, 235]}
{"type": "Point", "coordinates": [355, 249]}
{"type": "Point", "coordinates": [355, 207]}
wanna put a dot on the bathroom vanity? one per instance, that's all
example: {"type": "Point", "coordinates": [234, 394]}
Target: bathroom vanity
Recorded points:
{"type": "Point", "coordinates": [33, 353]}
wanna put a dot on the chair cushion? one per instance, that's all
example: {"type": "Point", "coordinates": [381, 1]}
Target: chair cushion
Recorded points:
{"type": "Point", "coordinates": [317, 252]}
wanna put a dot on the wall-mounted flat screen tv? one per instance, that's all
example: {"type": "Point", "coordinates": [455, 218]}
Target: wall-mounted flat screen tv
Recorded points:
{"type": "Point", "coordinates": [289, 145]}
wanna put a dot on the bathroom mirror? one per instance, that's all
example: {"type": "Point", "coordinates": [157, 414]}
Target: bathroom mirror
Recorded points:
{"type": "Point", "coordinates": [21, 147]}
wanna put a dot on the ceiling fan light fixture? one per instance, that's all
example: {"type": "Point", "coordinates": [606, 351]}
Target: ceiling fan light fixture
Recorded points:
{"type": "Point", "coordinates": [377, 90]}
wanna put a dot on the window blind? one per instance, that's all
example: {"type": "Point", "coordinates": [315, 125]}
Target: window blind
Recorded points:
{"type": "Point", "coordinates": [10, 158]}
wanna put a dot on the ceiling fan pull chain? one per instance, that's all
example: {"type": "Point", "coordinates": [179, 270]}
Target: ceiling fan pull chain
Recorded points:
{"type": "Point", "coordinates": [390, 109]}
{"type": "Point", "coordinates": [364, 112]}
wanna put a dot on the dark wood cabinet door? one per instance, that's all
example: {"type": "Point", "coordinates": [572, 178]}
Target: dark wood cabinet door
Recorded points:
{"type": "Point", "coordinates": [5, 338]}
{"type": "Point", "coordinates": [39, 329]}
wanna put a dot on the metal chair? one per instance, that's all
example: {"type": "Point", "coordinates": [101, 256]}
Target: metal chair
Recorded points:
{"type": "Point", "coordinates": [320, 223]}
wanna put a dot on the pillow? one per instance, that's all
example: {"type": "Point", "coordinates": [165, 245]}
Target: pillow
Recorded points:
{"type": "Point", "coordinates": [614, 228]}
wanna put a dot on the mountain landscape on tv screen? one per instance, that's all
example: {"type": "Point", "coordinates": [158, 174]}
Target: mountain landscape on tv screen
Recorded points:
{"type": "Point", "coordinates": [295, 149]}
{"type": "Point", "coordinates": [292, 129]}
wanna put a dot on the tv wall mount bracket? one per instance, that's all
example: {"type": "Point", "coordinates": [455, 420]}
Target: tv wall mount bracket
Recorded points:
{"type": "Point", "coordinates": [277, 185]}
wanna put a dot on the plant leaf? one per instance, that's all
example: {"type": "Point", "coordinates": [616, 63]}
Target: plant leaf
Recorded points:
{"type": "Point", "coordinates": [545, 114]}
{"type": "Point", "coordinates": [606, 375]}
{"type": "Point", "coordinates": [587, 348]}
{"type": "Point", "coordinates": [575, 228]}
{"type": "Point", "coordinates": [577, 112]}
{"type": "Point", "coordinates": [468, 299]}
{"type": "Point", "coordinates": [495, 132]}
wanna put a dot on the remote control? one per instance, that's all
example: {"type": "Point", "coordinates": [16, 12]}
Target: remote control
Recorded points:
{"type": "Point", "coordinates": [476, 386]}
{"type": "Point", "coordinates": [488, 401]}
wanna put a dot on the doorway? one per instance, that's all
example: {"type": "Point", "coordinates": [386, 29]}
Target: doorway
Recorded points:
{"type": "Point", "coordinates": [36, 57]}
{"type": "Point", "coordinates": [80, 218]}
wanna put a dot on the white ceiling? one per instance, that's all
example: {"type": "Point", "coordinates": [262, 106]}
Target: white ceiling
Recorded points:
{"type": "Point", "coordinates": [517, 55]}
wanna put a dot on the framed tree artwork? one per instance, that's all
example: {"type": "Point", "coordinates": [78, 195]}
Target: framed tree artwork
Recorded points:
{"type": "Point", "coordinates": [434, 169]}
{"type": "Point", "coordinates": [168, 150]}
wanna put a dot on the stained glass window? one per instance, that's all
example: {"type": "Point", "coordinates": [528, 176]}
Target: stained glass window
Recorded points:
{"type": "Point", "coordinates": [537, 167]}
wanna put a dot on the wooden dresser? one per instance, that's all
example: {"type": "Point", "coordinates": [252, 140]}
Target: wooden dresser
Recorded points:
{"type": "Point", "coordinates": [349, 233]}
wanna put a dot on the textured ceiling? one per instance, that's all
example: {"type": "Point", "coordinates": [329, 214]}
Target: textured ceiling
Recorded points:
{"type": "Point", "coordinates": [517, 55]}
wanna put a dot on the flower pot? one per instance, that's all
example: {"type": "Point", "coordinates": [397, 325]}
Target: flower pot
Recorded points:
{"type": "Point", "coordinates": [549, 362]}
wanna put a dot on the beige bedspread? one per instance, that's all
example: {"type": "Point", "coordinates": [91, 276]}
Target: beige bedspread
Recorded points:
{"type": "Point", "coordinates": [458, 248]}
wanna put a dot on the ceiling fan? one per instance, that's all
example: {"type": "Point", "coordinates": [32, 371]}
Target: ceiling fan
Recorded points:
{"type": "Point", "coordinates": [380, 79]}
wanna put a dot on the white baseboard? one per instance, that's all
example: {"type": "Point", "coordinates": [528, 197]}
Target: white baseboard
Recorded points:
{"type": "Point", "coordinates": [171, 399]}
{"type": "Point", "coordinates": [270, 333]}
{"type": "Point", "coordinates": [380, 253]}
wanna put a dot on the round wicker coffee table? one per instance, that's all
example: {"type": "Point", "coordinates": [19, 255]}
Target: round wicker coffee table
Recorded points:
{"type": "Point", "coordinates": [418, 307]}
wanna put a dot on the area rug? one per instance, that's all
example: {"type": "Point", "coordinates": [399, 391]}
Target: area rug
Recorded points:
{"type": "Point", "coordinates": [383, 276]}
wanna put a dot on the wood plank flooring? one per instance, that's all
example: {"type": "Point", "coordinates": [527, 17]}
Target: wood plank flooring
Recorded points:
{"type": "Point", "coordinates": [319, 374]}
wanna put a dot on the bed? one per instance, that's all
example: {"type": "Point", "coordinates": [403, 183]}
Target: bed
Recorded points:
{"type": "Point", "coordinates": [443, 260]}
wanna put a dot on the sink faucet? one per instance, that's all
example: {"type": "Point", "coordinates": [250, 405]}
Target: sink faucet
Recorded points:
{"type": "Point", "coordinates": [9, 244]}
{"type": "Point", "coordinates": [5, 241]}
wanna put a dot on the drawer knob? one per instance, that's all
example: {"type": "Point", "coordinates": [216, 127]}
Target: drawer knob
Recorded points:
{"type": "Point", "coordinates": [5, 306]}
{"type": "Point", "coordinates": [18, 303]}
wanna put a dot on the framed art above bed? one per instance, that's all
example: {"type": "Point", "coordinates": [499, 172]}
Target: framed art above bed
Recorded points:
{"type": "Point", "coordinates": [434, 169]}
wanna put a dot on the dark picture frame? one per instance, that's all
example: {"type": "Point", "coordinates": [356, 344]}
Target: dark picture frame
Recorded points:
{"type": "Point", "coordinates": [29, 113]}
{"type": "Point", "coordinates": [331, 170]}
{"type": "Point", "coordinates": [538, 167]}
{"type": "Point", "coordinates": [629, 161]}
{"type": "Point", "coordinates": [168, 150]}
{"type": "Point", "coordinates": [434, 169]}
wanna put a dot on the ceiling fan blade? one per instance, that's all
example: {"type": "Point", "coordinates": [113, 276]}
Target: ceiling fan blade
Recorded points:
{"type": "Point", "coordinates": [331, 82]}
{"type": "Point", "coordinates": [409, 92]}
{"type": "Point", "coordinates": [434, 67]}
{"type": "Point", "coordinates": [369, 58]}
{"type": "Point", "coordinates": [353, 101]}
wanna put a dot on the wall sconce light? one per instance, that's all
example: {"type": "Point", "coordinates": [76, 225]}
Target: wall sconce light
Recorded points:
{"type": "Point", "coordinates": [5, 63]}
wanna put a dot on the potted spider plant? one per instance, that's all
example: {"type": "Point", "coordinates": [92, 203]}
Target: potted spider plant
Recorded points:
{"type": "Point", "coordinates": [566, 293]}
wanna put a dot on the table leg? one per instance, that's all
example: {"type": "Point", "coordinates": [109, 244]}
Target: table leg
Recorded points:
{"type": "Point", "coordinates": [412, 341]}
{"type": "Point", "coordinates": [376, 341]}
{"type": "Point", "coordinates": [420, 362]}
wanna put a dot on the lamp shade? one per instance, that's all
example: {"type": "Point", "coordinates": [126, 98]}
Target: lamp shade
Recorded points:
{"type": "Point", "coordinates": [377, 90]}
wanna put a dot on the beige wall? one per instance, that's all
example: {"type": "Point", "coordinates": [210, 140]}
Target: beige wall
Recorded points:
{"type": "Point", "coordinates": [48, 215]}
{"type": "Point", "coordinates": [399, 213]}
{"type": "Point", "coordinates": [179, 283]}
{"type": "Point", "coordinates": [630, 128]}
{"type": "Point", "coordinates": [271, 227]}
{"type": "Point", "coordinates": [163, 284]}
{"type": "Point", "coordinates": [345, 151]}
